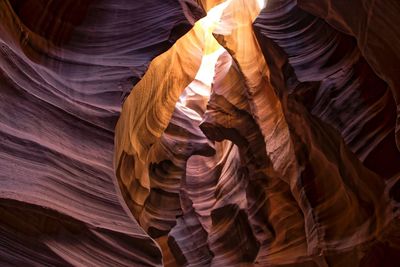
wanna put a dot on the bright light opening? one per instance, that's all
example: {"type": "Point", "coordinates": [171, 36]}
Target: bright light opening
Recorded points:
{"type": "Point", "coordinates": [201, 86]}
{"type": "Point", "coordinates": [207, 68]}
{"type": "Point", "coordinates": [262, 3]}
{"type": "Point", "coordinates": [212, 49]}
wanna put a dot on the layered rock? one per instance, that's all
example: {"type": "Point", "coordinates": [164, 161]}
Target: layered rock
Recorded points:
{"type": "Point", "coordinates": [276, 150]}
{"type": "Point", "coordinates": [350, 97]}
{"type": "Point", "coordinates": [373, 28]}
{"type": "Point", "coordinates": [66, 67]}
{"type": "Point", "coordinates": [295, 131]}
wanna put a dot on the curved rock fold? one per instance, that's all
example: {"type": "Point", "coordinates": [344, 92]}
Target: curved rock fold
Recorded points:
{"type": "Point", "coordinates": [199, 133]}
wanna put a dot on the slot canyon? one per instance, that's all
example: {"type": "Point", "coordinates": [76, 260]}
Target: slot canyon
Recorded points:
{"type": "Point", "coordinates": [216, 133]}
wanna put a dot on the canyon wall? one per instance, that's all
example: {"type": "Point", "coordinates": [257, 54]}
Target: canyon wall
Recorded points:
{"type": "Point", "coordinates": [145, 133]}
{"type": "Point", "coordinates": [66, 67]}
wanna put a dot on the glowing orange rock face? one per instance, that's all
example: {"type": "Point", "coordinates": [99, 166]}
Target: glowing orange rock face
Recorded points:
{"type": "Point", "coordinates": [264, 137]}
{"type": "Point", "coordinates": [240, 171]}
{"type": "Point", "coordinates": [167, 77]}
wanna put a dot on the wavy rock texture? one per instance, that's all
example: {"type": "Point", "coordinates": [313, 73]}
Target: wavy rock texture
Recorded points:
{"type": "Point", "coordinates": [66, 67]}
{"type": "Point", "coordinates": [351, 97]}
{"type": "Point", "coordinates": [337, 69]}
{"type": "Point", "coordinates": [166, 78]}
{"type": "Point", "coordinates": [257, 136]}
{"type": "Point", "coordinates": [373, 29]}
{"type": "Point", "coordinates": [283, 171]}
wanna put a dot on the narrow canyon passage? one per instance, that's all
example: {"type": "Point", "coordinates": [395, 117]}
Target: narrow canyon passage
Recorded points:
{"type": "Point", "coordinates": [199, 133]}
{"type": "Point", "coordinates": [254, 164]}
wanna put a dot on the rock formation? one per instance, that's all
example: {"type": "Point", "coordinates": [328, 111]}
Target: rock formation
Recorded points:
{"type": "Point", "coordinates": [66, 67]}
{"type": "Point", "coordinates": [244, 133]}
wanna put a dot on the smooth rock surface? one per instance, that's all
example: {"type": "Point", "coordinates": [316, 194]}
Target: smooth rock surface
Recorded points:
{"type": "Point", "coordinates": [65, 69]}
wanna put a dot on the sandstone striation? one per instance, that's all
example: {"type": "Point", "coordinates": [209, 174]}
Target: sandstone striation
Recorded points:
{"type": "Point", "coordinates": [199, 133]}
{"type": "Point", "coordinates": [65, 69]}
